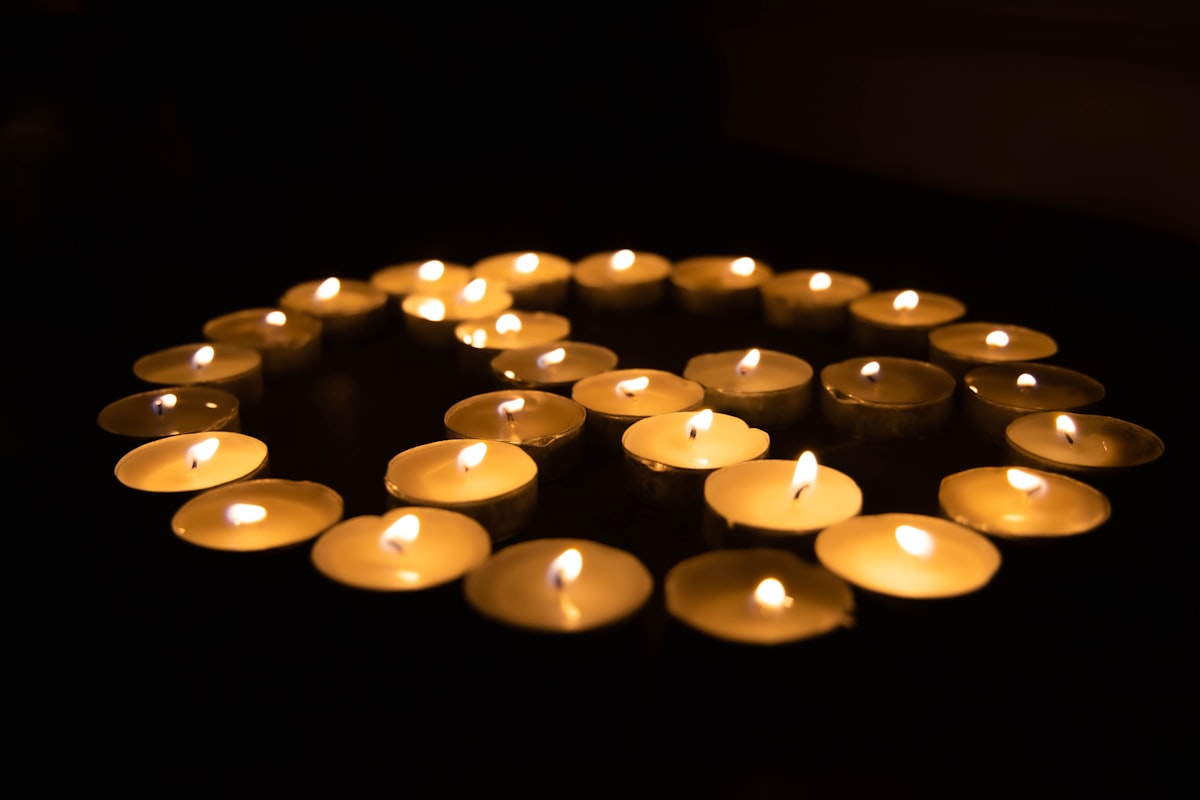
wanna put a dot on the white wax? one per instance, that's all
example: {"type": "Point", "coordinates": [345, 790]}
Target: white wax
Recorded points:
{"type": "Point", "coordinates": [520, 367]}
{"type": "Point", "coordinates": [932, 310]}
{"type": "Point", "coordinates": [899, 381]}
{"type": "Point", "coordinates": [664, 392]}
{"type": "Point", "coordinates": [448, 545]}
{"type": "Point", "coordinates": [864, 551]}
{"type": "Point", "coordinates": [664, 439]}
{"type": "Point", "coordinates": [967, 341]}
{"type": "Point", "coordinates": [163, 465]}
{"type": "Point", "coordinates": [714, 593]}
{"type": "Point", "coordinates": [717, 274]}
{"type": "Point", "coordinates": [1056, 388]}
{"type": "Point", "coordinates": [292, 512]}
{"type": "Point", "coordinates": [983, 499]}
{"type": "Point", "coordinates": [293, 344]}
{"type": "Point", "coordinates": [169, 411]}
{"type": "Point", "coordinates": [789, 300]}
{"type": "Point", "coordinates": [354, 298]}
{"type": "Point", "coordinates": [759, 494]}
{"type": "Point", "coordinates": [1099, 441]}
{"type": "Point", "coordinates": [536, 328]}
{"type": "Point", "coordinates": [512, 587]}
{"type": "Point", "coordinates": [400, 280]}
{"type": "Point", "coordinates": [503, 268]}
{"type": "Point", "coordinates": [543, 415]}
{"type": "Point", "coordinates": [429, 473]}
{"type": "Point", "coordinates": [774, 372]}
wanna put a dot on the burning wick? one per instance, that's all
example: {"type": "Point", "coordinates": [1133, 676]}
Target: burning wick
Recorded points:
{"type": "Point", "coordinates": [202, 451]}
{"type": "Point", "coordinates": [870, 371]}
{"type": "Point", "coordinates": [328, 289]}
{"type": "Point", "coordinates": [244, 513]}
{"type": "Point", "coordinates": [203, 357]}
{"type": "Point", "coordinates": [401, 533]}
{"type": "Point", "coordinates": [700, 422]}
{"type": "Point", "coordinates": [996, 339]}
{"type": "Point", "coordinates": [1025, 482]}
{"type": "Point", "coordinates": [164, 402]}
{"type": "Point", "coordinates": [631, 387]}
{"type": "Point", "coordinates": [526, 263]}
{"type": "Point", "coordinates": [914, 541]}
{"type": "Point", "coordinates": [621, 260]}
{"type": "Point", "coordinates": [805, 475]}
{"type": "Point", "coordinates": [431, 271]}
{"type": "Point", "coordinates": [510, 407]}
{"type": "Point", "coordinates": [565, 569]}
{"type": "Point", "coordinates": [749, 361]}
{"type": "Point", "coordinates": [474, 291]}
{"type": "Point", "coordinates": [471, 456]}
{"type": "Point", "coordinates": [820, 281]}
{"type": "Point", "coordinates": [770, 597]}
{"type": "Point", "coordinates": [743, 266]}
{"type": "Point", "coordinates": [1066, 426]}
{"type": "Point", "coordinates": [508, 323]}
{"type": "Point", "coordinates": [906, 300]}
{"type": "Point", "coordinates": [1026, 381]}
{"type": "Point", "coordinates": [555, 356]}
{"type": "Point", "coordinates": [275, 319]}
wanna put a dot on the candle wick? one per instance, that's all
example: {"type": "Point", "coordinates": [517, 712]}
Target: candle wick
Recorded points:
{"type": "Point", "coordinates": [510, 416]}
{"type": "Point", "coordinates": [1069, 439]}
{"type": "Point", "coordinates": [158, 407]}
{"type": "Point", "coordinates": [692, 433]}
{"type": "Point", "coordinates": [872, 378]}
{"type": "Point", "coordinates": [195, 462]}
{"type": "Point", "coordinates": [796, 496]}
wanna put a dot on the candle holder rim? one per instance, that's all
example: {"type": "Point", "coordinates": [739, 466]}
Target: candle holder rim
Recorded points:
{"type": "Point", "coordinates": [1156, 449]}
{"type": "Point", "coordinates": [1048, 475]}
{"type": "Point", "coordinates": [227, 399]}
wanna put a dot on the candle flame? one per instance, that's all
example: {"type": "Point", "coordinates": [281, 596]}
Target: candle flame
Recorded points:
{"type": "Point", "coordinates": [743, 266]}
{"type": "Point", "coordinates": [906, 300]}
{"type": "Point", "coordinates": [510, 407]}
{"type": "Point", "coordinates": [749, 361]}
{"type": "Point", "coordinates": [1026, 381]}
{"type": "Point", "coordinates": [621, 260]}
{"type": "Point", "coordinates": [526, 263]}
{"type": "Point", "coordinates": [164, 402]}
{"type": "Point", "coordinates": [203, 357]}
{"type": "Point", "coordinates": [477, 338]}
{"type": "Point", "coordinates": [1025, 482]}
{"type": "Point", "coordinates": [555, 356]}
{"type": "Point", "coordinates": [700, 422]}
{"type": "Point", "coordinates": [914, 541]}
{"type": "Point", "coordinates": [431, 270]}
{"type": "Point", "coordinates": [632, 386]}
{"type": "Point", "coordinates": [432, 309]}
{"type": "Point", "coordinates": [508, 323]}
{"type": "Point", "coordinates": [997, 339]}
{"type": "Point", "coordinates": [870, 370]}
{"type": "Point", "coordinates": [1065, 427]}
{"type": "Point", "coordinates": [328, 289]}
{"type": "Point", "coordinates": [471, 456]}
{"type": "Point", "coordinates": [474, 291]}
{"type": "Point", "coordinates": [276, 319]}
{"type": "Point", "coordinates": [400, 533]}
{"type": "Point", "coordinates": [565, 568]}
{"type": "Point", "coordinates": [820, 281]}
{"type": "Point", "coordinates": [770, 596]}
{"type": "Point", "coordinates": [244, 513]}
{"type": "Point", "coordinates": [805, 474]}
{"type": "Point", "coordinates": [201, 452]}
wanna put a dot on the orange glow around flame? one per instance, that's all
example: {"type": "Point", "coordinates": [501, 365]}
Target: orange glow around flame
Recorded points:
{"type": "Point", "coordinates": [551, 358]}
{"type": "Point", "coordinates": [471, 456]}
{"type": "Point", "coordinates": [631, 387]}
{"type": "Point", "coordinates": [820, 281]}
{"type": "Point", "coordinates": [526, 263]}
{"type": "Point", "coordinates": [276, 319]}
{"type": "Point", "coordinates": [914, 541]}
{"type": "Point", "coordinates": [203, 356]}
{"type": "Point", "coordinates": [1025, 482]}
{"type": "Point", "coordinates": [805, 475]}
{"type": "Point", "coordinates": [400, 533]}
{"type": "Point", "coordinates": [244, 514]}
{"type": "Point", "coordinates": [508, 323]}
{"type": "Point", "coordinates": [1065, 427]}
{"type": "Point", "coordinates": [1026, 381]}
{"type": "Point", "coordinates": [996, 339]}
{"type": "Point", "coordinates": [906, 300]}
{"type": "Point", "coordinates": [743, 266]}
{"type": "Point", "coordinates": [431, 270]}
{"type": "Point", "coordinates": [621, 260]}
{"type": "Point", "coordinates": [749, 361]}
{"type": "Point", "coordinates": [328, 289]}
{"type": "Point", "coordinates": [565, 568]}
{"type": "Point", "coordinates": [201, 452]}
{"type": "Point", "coordinates": [770, 596]}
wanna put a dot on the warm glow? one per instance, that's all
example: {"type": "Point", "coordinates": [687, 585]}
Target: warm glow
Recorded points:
{"type": "Point", "coordinates": [328, 288]}
{"type": "Point", "coordinates": [471, 456]}
{"type": "Point", "coordinates": [1025, 482]}
{"type": "Point", "coordinates": [477, 338]}
{"type": "Point", "coordinates": [1065, 427]}
{"type": "Point", "coordinates": [276, 319]}
{"type": "Point", "coordinates": [431, 270]}
{"type": "Point", "coordinates": [805, 475]}
{"type": "Point", "coordinates": [510, 407]}
{"type": "Point", "coordinates": [201, 452]}
{"type": "Point", "coordinates": [1026, 381]}
{"type": "Point", "coordinates": [565, 569]}
{"type": "Point", "coordinates": [244, 513]}
{"type": "Point", "coordinates": [632, 386]}
{"type": "Point", "coordinates": [743, 266]}
{"type": "Point", "coordinates": [870, 370]}
{"type": "Point", "coordinates": [203, 357]}
{"type": "Point", "coordinates": [432, 309]}
{"type": "Point", "coordinates": [400, 533]}
{"type": "Point", "coordinates": [906, 300]}
{"type": "Point", "coordinates": [699, 422]}
{"type": "Point", "coordinates": [997, 339]}
{"type": "Point", "coordinates": [526, 263]}
{"type": "Point", "coordinates": [820, 281]}
{"type": "Point", "coordinates": [914, 541]}
{"type": "Point", "coordinates": [474, 291]}
{"type": "Point", "coordinates": [555, 356]}
{"type": "Point", "coordinates": [164, 402]}
{"type": "Point", "coordinates": [749, 361]}
{"type": "Point", "coordinates": [508, 323]}
{"type": "Point", "coordinates": [770, 596]}
{"type": "Point", "coordinates": [621, 260]}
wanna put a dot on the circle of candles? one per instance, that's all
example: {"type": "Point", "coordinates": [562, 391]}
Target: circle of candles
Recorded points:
{"type": "Point", "coordinates": [757, 596]}
{"type": "Point", "coordinates": [406, 549]}
{"type": "Point", "coordinates": [431, 319]}
{"type": "Point", "coordinates": [349, 309]}
{"type": "Point", "coordinates": [1020, 503]}
{"type": "Point", "coordinates": [231, 367]}
{"type": "Point", "coordinates": [547, 426]}
{"type": "Point", "coordinates": [554, 367]}
{"type": "Point", "coordinates": [1088, 444]}
{"type": "Point", "coordinates": [621, 280]}
{"type": "Point", "coordinates": [814, 300]}
{"type": "Point", "coordinates": [669, 456]}
{"type": "Point", "coordinates": [898, 322]}
{"type": "Point", "coordinates": [718, 284]}
{"type": "Point", "coordinates": [192, 462]}
{"type": "Point", "coordinates": [766, 388]}
{"type": "Point", "coordinates": [559, 586]}
{"type": "Point", "coordinates": [996, 394]}
{"type": "Point", "coordinates": [536, 280]}
{"type": "Point", "coordinates": [887, 397]}
{"type": "Point", "coordinates": [617, 398]}
{"type": "Point", "coordinates": [483, 339]}
{"type": "Point", "coordinates": [494, 483]}
{"type": "Point", "coordinates": [262, 514]}
{"type": "Point", "coordinates": [776, 502]}
{"type": "Point", "coordinates": [960, 346]}
{"type": "Point", "coordinates": [286, 342]}
{"type": "Point", "coordinates": [432, 277]}
{"type": "Point", "coordinates": [908, 555]}
{"type": "Point", "coordinates": [167, 412]}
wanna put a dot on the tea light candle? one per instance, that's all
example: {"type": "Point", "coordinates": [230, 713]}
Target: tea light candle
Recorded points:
{"type": "Point", "coordinates": [349, 309]}
{"type": "Point", "coordinates": [961, 346]}
{"type": "Point", "coordinates": [167, 412]}
{"type": "Point", "coordinates": [494, 483]}
{"type": "Point", "coordinates": [1086, 444]}
{"type": "Point", "coordinates": [432, 277]}
{"type": "Point", "coordinates": [1022, 503]}
{"type": "Point", "coordinates": [766, 388]}
{"type": "Point", "coordinates": [403, 550]}
{"type": "Point", "coordinates": [559, 586]}
{"type": "Point", "coordinates": [262, 514]}
{"type": "Point", "coordinates": [757, 596]}
{"type": "Point", "coordinates": [621, 280]}
{"type": "Point", "coordinates": [431, 320]}
{"type": "Point", "coordinates": [481, 340]}
{"type": "Point", "coordinates": [775, 502]}
{"type": "Point", "coordinates": [996, 394]}
{"type": "Point", "coordinates": [554, 367]}
{"type": "Point", "coordinates": [287, 342]}
{"type": "Point", "coordinates": [908, 555]}
{"type": "Point", "coordinates": [192, 462]}
{"type": "Point", "coordinates": [669, 456]}
{"type": "Point", "coordinates": [230, 367]}
{"type": "Point", "coordinates": [616, 399]}
{"type": "Point", "coordinates": [718, 284]}
{"type": "Point", "coordinates": [547, 426]}
{"type": "Point", "coordinates": [887, 397]}
{"type": "Point", "coordinates": [899, 322]}
{"type": "Point", "coordinates": [813, 300]}
{"type": "Point", "coordinates": [537, 280]}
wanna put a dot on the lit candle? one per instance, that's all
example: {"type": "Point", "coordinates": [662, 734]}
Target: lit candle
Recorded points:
{"type": "Point", "coordinates": [547, 426]}
{"type": "Point", "coordinates": [170, 411]}
{"type": "Point", "coordinates": [963, 345]}
{"type": "Point", "coordinates": [908, 555]}
{"type": "Point", "coordinates": [494, 483]}
{"type": "Point", "coordinates": [431, 319]}
{"type": "Point", "coordinates": [348, 309]}
{"type": "Point", "coordinates": [262, 514]}
{"type": "Point", "coordinates": [718, 284]}
{"type": "Point", "coordinates": [537, 280]}
{"type": "Point", "coordinates": [668, 456]}
{"type": "Point", "coordinates": [899, 322]}
{"type": "Point", "coordinates": [554, 367]}
{"type": "Point", "coordinates": [1018, 503]}
{"type": "Point", "coordinates": [814, 300]}
{"type": "Point", "coordinates": [192, 462]}
{"type": "Point", "coordinates": [233, 368]}
{"type": "Point", "coordinates": [996, 394]}
{"type": "Point", "coordinates": [1086, 444]}
{"type": "Point", "coordinates": [621, 280]}
{"type": "Point", "coordinates": [559, 586]}
{"type": "Point", "coordinates": [766, 388]}
{"type": "Point", "coordinates": [887, 397]}
{"type": "Point", "coordinates": [481, 340]}
{"type": "Point", "coordinates": [403, 550]}
{"type": "Point", "coordinates": [287, 342]}
{"type": "Point", "coordinates": [430, 277]}
{"type": "Point", "coordinates": [775, 502]}
{"type": "Point", "coordinates": [617, 398]}
{"type": "Point", "coordinates": [757, 596]}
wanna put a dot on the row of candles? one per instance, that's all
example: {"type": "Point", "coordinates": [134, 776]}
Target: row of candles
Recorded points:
{"type": "Point", "coordinates": [698, 439]}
